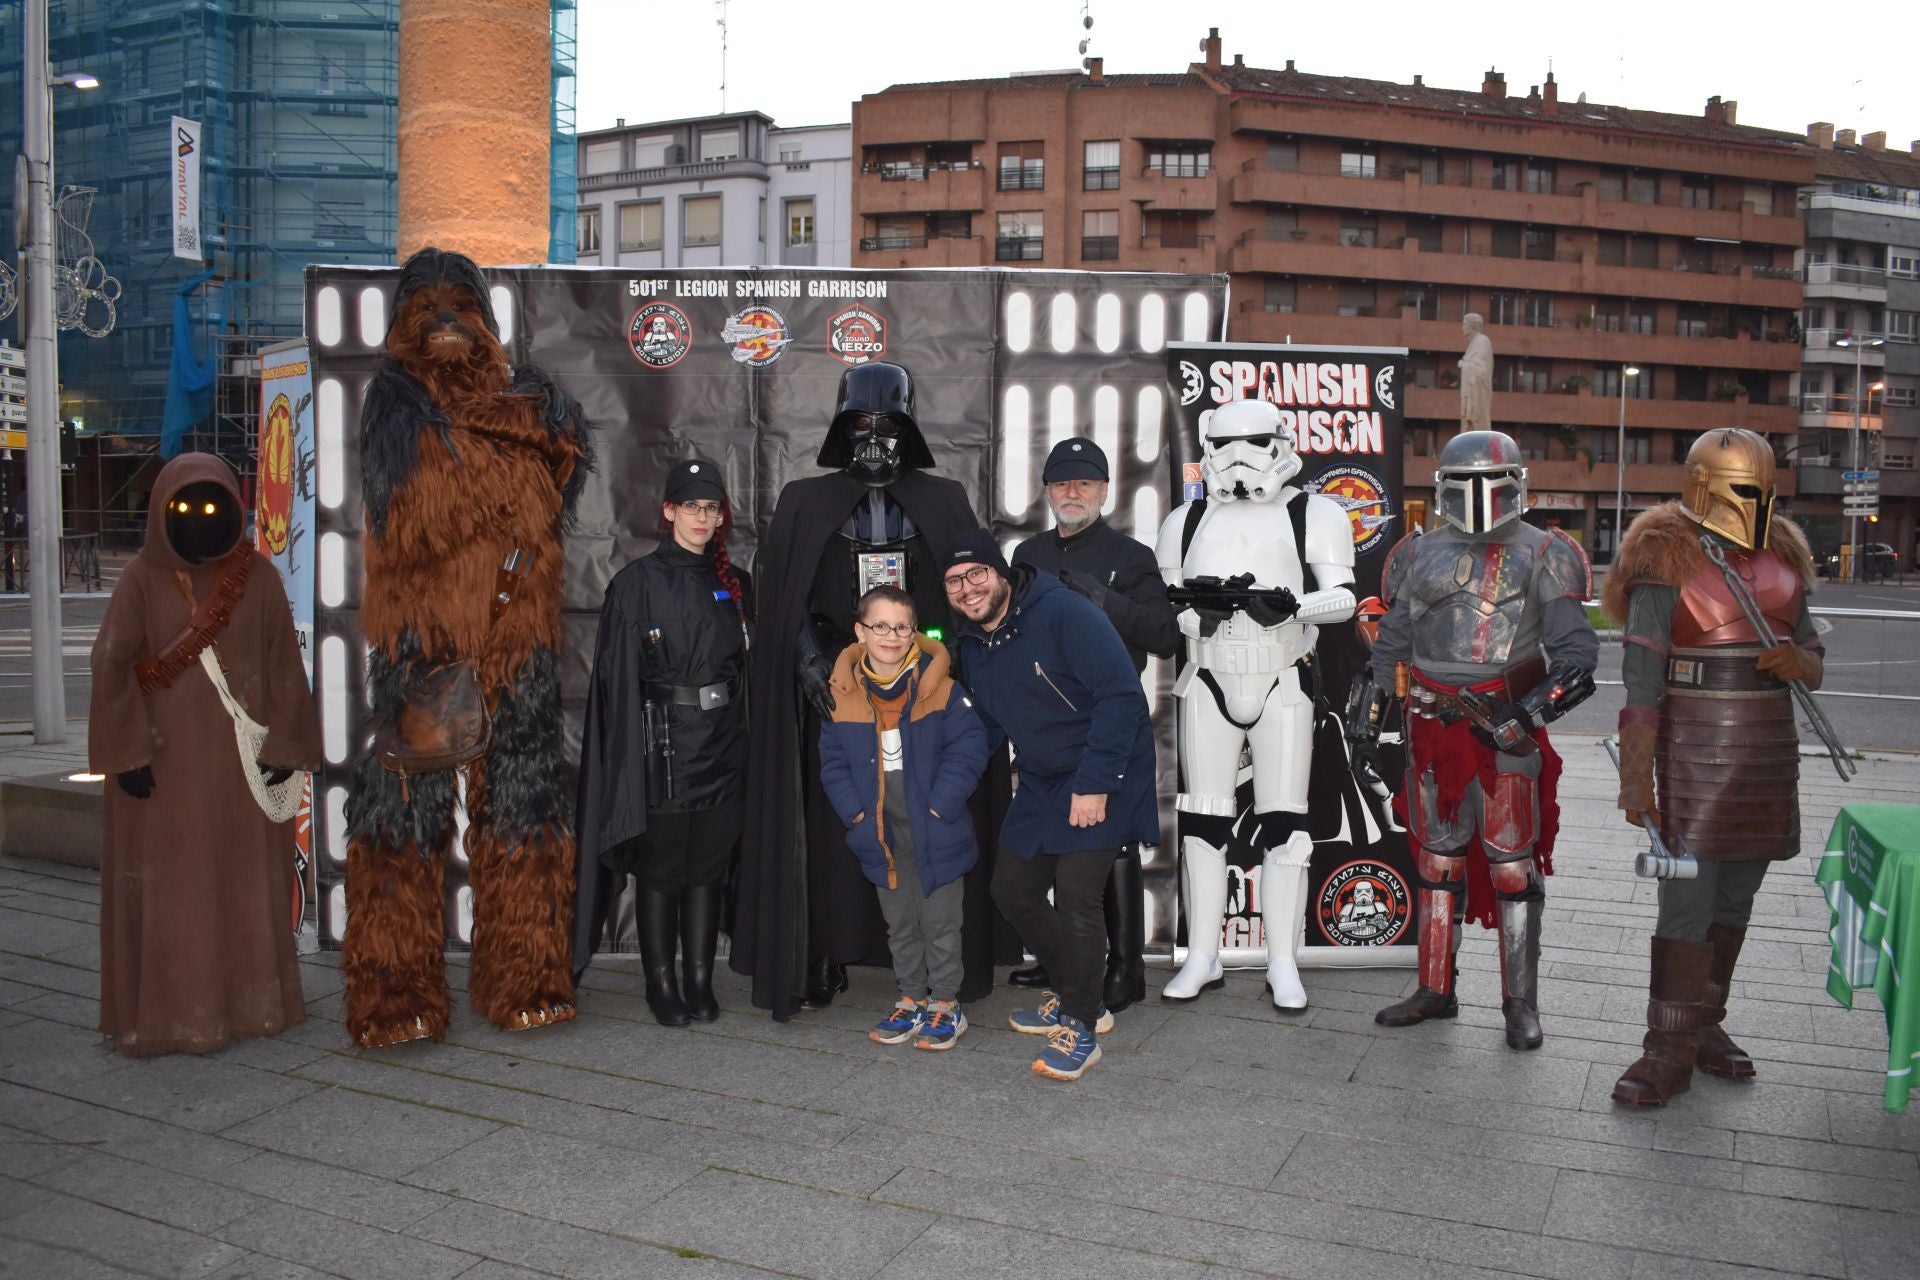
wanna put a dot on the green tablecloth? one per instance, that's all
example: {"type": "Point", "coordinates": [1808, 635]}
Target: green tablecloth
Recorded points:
{"type": "Point", "coordinates": [1871, 876]}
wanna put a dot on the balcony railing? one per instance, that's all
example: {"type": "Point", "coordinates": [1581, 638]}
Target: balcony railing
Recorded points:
{"type": "Point", "coordinates": [871, 244]}
{"type": "Point", "coordinates": [1099, 248]}
{"type": "Point", "coordinates": [1175, 240]}
{"type": "Point", "coordinates": [1032, 178]}
{"type": "Point", "coordinates": [1101, 179]}
{"type": "Point", "coordinates": [1018, 248]}
{"type": "Point", "coordinates": [1814, 402]}
{"type": "Point", "coordinates": [903, 173]}
{"type": "Point", "coordinates": [1844, 273]}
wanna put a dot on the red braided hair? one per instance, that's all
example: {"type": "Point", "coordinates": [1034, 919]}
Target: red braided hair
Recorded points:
{"type": "Point", "coordinates": [717, 549]}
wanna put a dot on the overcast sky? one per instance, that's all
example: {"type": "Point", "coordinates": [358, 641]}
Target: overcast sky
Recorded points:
{"type": "Point", "coordinates": [1852, 63]}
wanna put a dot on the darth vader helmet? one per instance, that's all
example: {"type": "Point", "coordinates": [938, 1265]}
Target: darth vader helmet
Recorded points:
{"type": "Point", "coordinates": [874, 436]}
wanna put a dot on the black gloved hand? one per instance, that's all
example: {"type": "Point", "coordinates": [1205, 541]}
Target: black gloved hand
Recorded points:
{"type": "Point", "coordinates": [1211, 619]}
{"type": "Point", "coordinates": [815, 675]}
{"type": "Point", "coordinates": [1092, 588]}
{"type": "Point", "coordinates": [1510, 724]}
{"type": "Point", "coordinates": [275, 776]}
{"type": "Point", "coordinates": [1273, 607]}
{"type": "Point", "coordinates": [137, 783]}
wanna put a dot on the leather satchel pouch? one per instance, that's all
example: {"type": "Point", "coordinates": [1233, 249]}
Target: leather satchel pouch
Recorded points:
{"type": "Point", "coordinates": [442, 726]}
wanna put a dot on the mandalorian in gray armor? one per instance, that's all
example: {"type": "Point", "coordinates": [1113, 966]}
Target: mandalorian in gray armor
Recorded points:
{"type": "Point", "coordinates": [1486, 635]}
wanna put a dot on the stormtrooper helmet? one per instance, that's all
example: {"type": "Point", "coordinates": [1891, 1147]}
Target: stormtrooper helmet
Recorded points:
{"type": "Point", "coordinates": [1250, 457]}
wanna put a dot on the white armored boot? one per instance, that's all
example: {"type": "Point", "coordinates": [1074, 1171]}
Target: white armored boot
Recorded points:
{"type": "Point", "coordinates": [1206, 901]}
{"type": "Point", "coordinates": [1283, 890]}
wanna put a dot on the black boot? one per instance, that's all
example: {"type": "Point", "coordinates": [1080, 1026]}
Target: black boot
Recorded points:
{"type": "Point", "coordinates": [1126, 932]}
{"type": "Point", "coordinates": [825, 979]}
{"type": "Point", "coordinates": [659, 920]}
{"type": "Point", "coordinates": [699, 937]}
{"type": "Point", "coordinates": [1439, 941]}
{"type": "Point", "coordinates": [1034, 977]}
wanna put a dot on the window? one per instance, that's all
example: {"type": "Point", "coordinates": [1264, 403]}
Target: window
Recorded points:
{"type": "Point", "coordinates": [1506, 175]}
{"type": "Point", "coordinates": [1359, 230]}
{"type": "Point", "coordinates": [1100, 235]}
{"type": "Point", "coordinates": [587, 234]}
{"type": "Point", "coordinates": [1424, 232]}
{"type": "Point", "coordinates": [1902, 397]}
{"type": "Point", "coordinates": [1282, 223]}
{"type": "Point", "coordinates": [1283, 155]}
{"type": "Point", "coordinates": [343, 66]}
{"type": "Point", "coordinates": [1172, 231]}
{"type": "Point", "coordinates": [1180, 159]}
{"type": "Point", "coordinates": [700, 220]}
{"type": "Point", "coordinates": [1696, 193]}
{"type": "Point", "coordinates": [799, 222]}
{"type": "Point", "coordinates": [656, 150]}
{"type": "Point", "coordinates": [1643, 251]}
{"type": "Point", "coordinates": [1358, 164]}
{"type": "Point", "coordinates": [1606, 380]}
{"type": "Point", "coordinates": [1537, 243]}
{"type": "Point", "coordinates": [1640, 317]}
{"type": "Point", "coordinates": [1692, 322]}
{"type": "Point", "coordinates": [1503, 308]}
{"type": "Point", "coordinates": [1539, 178]}
{"type": "Point", "coordinates": [1639, 447]}
{"type": "Point", "coordinates": [1528, 377]}
{"type": "Point", "coordinates": [789, 155]}
{"type": "Point", "coordinates": [1612, 185]}
{"type": "Point", "coordinates": [1023, 166]}
{"type": "Point", "coordinates": [1425, 303]}
{"type": "Point", "coordinates": [942, 156]}
{"type": "Point", "coordinates": [1640, 387]}
{"type": "Point", "coordinates": [1100, 167]}
{"type": "Point", "coordinates": [1609, 317]}
{"type": "Point", "coordinates": [1357, 299]}
{"type": "Point", "coordinates": [1506, 240]}
{"type": "Point", "coordinates": [1433, 170]}
{"type": "Point", "coordinates": [1020, 237]}
{"type": "Point", "coordinates": [1643, 188]}
{"type": "Point", "coordinates": [640, 226]}
{"type": "Point", "coordinates": [760, 222]}
{"type": "Point", "coordinates": [1906, 265]}
{"type": "Point", "coordinates": [1537, 310]}
{"type": "Point", "coordinates": [949, 226]}
{"type": "Point", "coordinates": [893, 232]}
{"type": "Point", "coordinates": [719, 144]}
{"type": "Point", "coordinates": [1903, 326]}
{"type": "Point", "coordinates": [1758, 198]}
{"type": "Point", "coordinates": [1813, 318]}
{"type": "Point", "coordinates": [601, 157]}
{"type": "Point", "coordinates": [1612, 249]}
{"type": "Point", "coordinates": [1278, 294]}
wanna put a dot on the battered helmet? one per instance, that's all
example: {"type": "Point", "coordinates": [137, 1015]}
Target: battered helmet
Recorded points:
{"type": "Point", "coordinates": [1481, 482]}
{"type": "Point", "coordinates": [1249, 454]}
{"type": "Point", "coordinates": [1729, 486]}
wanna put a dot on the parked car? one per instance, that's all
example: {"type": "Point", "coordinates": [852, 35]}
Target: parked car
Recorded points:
{"type": "Point", "coordinates": [1878, 560]}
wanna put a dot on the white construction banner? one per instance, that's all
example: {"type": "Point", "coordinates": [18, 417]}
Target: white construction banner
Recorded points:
{"type": "Point", "coordinates": [185, 190]}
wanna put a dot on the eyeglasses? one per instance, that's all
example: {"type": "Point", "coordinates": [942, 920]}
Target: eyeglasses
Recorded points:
{"type": "Point", "coordinates": [898, 630]}
{"type": "Point", "coordinates": [706, 510]}
{"type": "Point", "coordinates": [971, 578]}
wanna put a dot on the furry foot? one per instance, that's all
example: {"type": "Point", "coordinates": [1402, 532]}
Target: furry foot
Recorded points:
{"type": "Point", "coordinates": [383, 1035]}
{"type": "Point", "coordinates": [540, 1015]}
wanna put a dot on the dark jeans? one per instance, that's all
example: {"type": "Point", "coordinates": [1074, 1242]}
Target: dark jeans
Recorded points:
{"type": "Point", "coordinates": [1068, 936]}
{"type": "Point", "coordinates": [1723, 895]}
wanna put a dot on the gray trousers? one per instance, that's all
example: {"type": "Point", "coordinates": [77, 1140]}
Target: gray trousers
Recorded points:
{"type": "Point", "coordinates": [1721, 894]}
{"type": "Point", "coordinates": [923, 930]}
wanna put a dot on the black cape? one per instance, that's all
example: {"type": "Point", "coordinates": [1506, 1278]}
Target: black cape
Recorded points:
{"type": "Point", "coordinates": [770, 907]}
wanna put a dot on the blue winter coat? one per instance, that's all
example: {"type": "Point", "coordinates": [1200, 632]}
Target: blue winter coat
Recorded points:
{"type": "Point", "coordinates": [1056, 679]}
{"type": "Point", "coordinates": [944, 750]}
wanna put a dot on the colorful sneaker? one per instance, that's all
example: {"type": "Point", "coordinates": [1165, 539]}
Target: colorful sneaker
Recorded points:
{"type": "Point", "coordinates": [1042, 1021]}
{"type": "Point", "coordinates": [901, 1025]}
{"type": "Point", "coordinates": [942, 1025]}
{"type": "Point", "coordinates": [1071, 1049]}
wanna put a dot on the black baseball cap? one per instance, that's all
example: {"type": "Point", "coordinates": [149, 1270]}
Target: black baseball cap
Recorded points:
{"type": "Point", "coordinates": [694, 479]}
{"type": "Point", "coordinates": [1075, 460]}
{"type": "Point", "coordinates": [977, 547]}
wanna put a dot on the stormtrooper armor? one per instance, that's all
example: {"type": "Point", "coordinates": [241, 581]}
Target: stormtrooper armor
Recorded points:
{"type": "Point", "coordinates": [1240, 686]}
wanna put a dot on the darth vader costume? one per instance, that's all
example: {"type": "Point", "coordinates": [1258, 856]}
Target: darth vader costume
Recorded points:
{"type": "Point", "coordinates": [803, 909]}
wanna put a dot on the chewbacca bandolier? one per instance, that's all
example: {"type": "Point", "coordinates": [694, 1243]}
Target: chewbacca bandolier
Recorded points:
{"type": "Point", "coordinates": [1710, 719]}
{"type": "Point", "coordinates": [464, 461]}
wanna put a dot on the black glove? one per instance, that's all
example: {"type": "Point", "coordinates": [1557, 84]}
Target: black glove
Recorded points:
{"type": "Point", "coordinates": [1211, 619]}
{"type": "Point", "coordinates": [815, 675]}
{"type": "Point", "coordinates": [137, 783]}
{"type": "Point", "coordinates": [1092, 588]}
{"type": "Point", "coordinates": [1273, 607]}
{"type": "Point", "coordinates": [1510, 722]}
{"type": "Point", "coordinates": [275, 776]}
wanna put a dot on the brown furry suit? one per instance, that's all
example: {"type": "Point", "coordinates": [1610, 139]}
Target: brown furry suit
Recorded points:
{"type": "Point", "coordinates": [462, 461]}
{"type": "Point", "coordinates": [1663, 545]}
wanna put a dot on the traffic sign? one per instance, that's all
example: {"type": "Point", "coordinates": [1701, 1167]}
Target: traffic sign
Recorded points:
{"type": "Point", "coordinates": [12, 384]}
{"type": "Point", "coordinates": [13, 439]}
{"type": "Point", "coordinates": [1861, 512]}
{"type": "Point", "coordinates": [12, 357]}
{"type": "Point", "coordinates": [10, 411]}
{"type": "Point", "coordinates": [1860, 475]}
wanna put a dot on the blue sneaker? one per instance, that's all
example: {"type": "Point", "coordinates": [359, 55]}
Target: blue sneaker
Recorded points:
{"type": "Point", "coordinates": [1042, 1021]}
{"type": "Point", "coordinates": [942, 1025]}
{"type": "Point", "coordinates": [901, 1025]}
{"type": "Point", "coordinates": [1071, 1049]}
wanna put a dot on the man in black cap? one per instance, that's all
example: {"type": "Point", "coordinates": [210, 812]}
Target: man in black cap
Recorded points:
{"type": "Point", "coordinates": [1120, 575]}
{"type": "Point", "coordinates": [1048, 672]}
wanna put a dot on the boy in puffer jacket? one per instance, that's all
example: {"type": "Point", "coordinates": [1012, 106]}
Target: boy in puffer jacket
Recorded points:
{"type": "Point", "coordinates": [898, 760]}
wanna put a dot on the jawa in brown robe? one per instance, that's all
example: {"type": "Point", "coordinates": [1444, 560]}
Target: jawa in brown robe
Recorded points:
{"type": "Point", "coordinates": [464, 461]}
{"type": "Point", "coordinates": [195, 947]}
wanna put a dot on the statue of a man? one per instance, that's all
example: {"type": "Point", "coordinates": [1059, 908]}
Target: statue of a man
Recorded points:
{"type": "Point", "coordinates": [1476, 376]}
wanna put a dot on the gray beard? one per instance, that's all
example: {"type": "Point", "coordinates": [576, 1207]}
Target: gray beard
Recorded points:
{"type": "Point", "coordinates": [1069, 528]}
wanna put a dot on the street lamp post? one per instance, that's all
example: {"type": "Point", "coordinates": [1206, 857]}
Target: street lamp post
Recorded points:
{"type": "Point", "coordinates": [1620, 466]}
{"type": "Point", "coordinates": [37, 334]}
{"type": "Point", "coordinates": [1859, 346]}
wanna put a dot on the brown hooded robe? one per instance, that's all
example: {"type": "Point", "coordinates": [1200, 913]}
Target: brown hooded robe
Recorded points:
{"type": "Point", "coordinates": [195, 881]}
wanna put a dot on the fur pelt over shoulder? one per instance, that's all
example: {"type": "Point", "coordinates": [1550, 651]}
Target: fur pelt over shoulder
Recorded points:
{"type": "Point", "coordinates": [1663, 545]}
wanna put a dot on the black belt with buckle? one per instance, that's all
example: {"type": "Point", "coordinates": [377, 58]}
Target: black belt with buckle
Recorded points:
{"type": "Point", "coordinates": [707, 697]}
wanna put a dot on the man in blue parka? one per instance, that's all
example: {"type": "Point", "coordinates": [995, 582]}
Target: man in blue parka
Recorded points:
{"type": "Point", "coordinates": [1047, 671]}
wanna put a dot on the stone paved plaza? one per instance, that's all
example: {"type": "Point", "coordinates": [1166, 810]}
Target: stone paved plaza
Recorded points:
{"type": "Point", "coordinates": [1219, 1139]}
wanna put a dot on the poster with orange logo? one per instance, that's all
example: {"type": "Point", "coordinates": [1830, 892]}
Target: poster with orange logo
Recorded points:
{"type": "Point", "coordinates": [283, 532]}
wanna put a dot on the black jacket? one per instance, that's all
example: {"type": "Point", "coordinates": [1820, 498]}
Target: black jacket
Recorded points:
{"type": "Point", "coordinates": [1117, 573]}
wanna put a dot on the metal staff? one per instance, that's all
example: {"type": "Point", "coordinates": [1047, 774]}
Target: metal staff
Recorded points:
{"type": "Point", "coordinates": [1842, 760]}
{"type": "Point", "coordinates": [1659, 862]}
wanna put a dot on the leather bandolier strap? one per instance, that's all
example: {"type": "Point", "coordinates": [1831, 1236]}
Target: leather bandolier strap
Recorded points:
{"type": "Point", "coordinates": [210, 618]}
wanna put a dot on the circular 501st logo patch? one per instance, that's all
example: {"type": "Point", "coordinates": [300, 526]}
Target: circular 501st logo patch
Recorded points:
{"type": "Point", "coordinates": [1364, 904]}
{"type": "Point", "coordinates": [1363, 496]}
{"type": "Point", "coordinates": [659, 335]}
{"type": "Point", "coordinates": [857, 335]}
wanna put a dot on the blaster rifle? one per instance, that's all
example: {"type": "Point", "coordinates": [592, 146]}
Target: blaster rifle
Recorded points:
{"type": "Point", "coordinates": [1237, 594]}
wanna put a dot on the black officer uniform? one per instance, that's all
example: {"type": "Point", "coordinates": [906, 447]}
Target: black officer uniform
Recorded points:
{"type": "Point", "coordinates": [1121, 575]}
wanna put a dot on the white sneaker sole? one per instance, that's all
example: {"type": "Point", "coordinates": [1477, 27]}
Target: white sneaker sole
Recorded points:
{"type": "Point", "coordinates": [1041, 1068]}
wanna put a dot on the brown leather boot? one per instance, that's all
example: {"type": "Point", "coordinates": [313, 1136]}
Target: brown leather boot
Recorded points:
{"type": "Point", "coordinates": [1665, 1070]}
{"type": "Point", "coordinates": [1718, 1054]}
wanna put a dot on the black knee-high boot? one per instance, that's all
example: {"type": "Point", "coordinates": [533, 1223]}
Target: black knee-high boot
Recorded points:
{"type": "Point", "coordinates": [659, 920]}
{"type": "Point", "coordinates": [699, 936]}
{"type": "Point", "coordinates": [1126, 932]}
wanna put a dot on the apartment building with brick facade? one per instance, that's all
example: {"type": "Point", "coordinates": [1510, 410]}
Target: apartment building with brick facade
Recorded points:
{"type": "Point", "coordinates": [1593, 239]}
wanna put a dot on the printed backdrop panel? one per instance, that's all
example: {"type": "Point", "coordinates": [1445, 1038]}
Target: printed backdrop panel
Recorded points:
{"type": "Point", "coordinates": [743, 365]}
{"type": "Point", "coordinates": [1343, 408]}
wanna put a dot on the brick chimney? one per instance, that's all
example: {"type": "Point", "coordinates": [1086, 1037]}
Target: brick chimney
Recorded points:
{"type": "Point", "coordinates": [1844, 137]}
{"type": "Point", "coordinates": [1716, 112]}
{"type": "Point", "coordinates": [1820, 134]}
{"type": "Point", "coordinates": [1551, 99]}
{"type": "Point", "coordinates": [1096, 69]}
{"type": "Point", "coordinates": [1732, 110]}
{"type": "Point", "coordinates": [1495, 85]}
{"type": "Point", "coordinates": [1875, 141]}
{"type": "Point", "coordinates": [1212, 46]}
{"type": "Point", "coordinates": [1239, 59]}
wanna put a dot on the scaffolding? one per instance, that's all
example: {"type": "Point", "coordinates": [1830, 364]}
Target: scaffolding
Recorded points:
{"type": "Point", "coordinates": [564, 181]}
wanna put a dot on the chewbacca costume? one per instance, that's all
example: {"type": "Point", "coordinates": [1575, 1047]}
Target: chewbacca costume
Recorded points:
{"type": "Point", "coordinates": [195, 946]}
{"type": "Point", "coordinates": [463, 459]}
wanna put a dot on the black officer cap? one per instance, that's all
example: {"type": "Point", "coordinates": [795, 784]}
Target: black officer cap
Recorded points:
{"type": "Point", "coordinates": [693, 480]}
{"type": "Point", "coordinates": [1075, 459]}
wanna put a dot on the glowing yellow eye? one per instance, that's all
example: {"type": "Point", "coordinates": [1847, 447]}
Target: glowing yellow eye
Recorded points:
{"type": "Point", "coordinates": [181, 507]}
{"type": "Point", "coordinates": [208, 508]}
